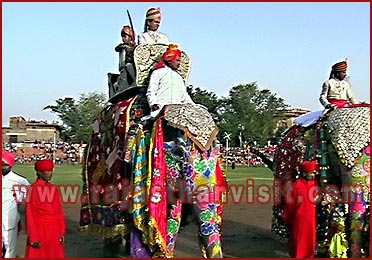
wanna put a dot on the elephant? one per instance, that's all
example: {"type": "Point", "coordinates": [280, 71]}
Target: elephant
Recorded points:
{"type": "Point", "coordinates": [141, 173]}
{"type": "Point", "coordinates": [339, 140]}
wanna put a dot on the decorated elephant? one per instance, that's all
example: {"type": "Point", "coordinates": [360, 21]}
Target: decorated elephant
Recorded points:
{"type": "Point", "coordinates": [339, 141]}
{"type": "Point", "coordinates": [140, 172]}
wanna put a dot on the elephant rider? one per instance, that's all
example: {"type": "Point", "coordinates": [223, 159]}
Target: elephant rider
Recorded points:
{"type": "Point", "coordinates": [125, 50]}
{"type": "Point", "coordinates": [151, 34]}
{"type": "Point", "coordinates": [336, 91]}
{"type": "Point", "coordinates": [166, 85]}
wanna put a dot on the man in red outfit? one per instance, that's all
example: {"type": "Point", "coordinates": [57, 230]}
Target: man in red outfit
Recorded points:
{"type": "Point", "coordinates": [300, 212]}
{"type": "Point", "coordinates": [45, 221]}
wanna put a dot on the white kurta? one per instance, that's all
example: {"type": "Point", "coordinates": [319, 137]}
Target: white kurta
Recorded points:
{"type": "Point", "coordinates": [13, 191]}
{"type": "Point", "coordinates": [336, 89]}
{"type": "Point", "coordinates": [151, 37]}
{"type": "Point", "coordinates": [166, 86]}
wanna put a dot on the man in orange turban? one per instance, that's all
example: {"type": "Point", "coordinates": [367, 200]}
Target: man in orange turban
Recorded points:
{"type": "Point", "coordinates": [14, 189]}
{"type": "Point", "coordinates": [166, 85]}
{"type": "Point", "coordinates": [152, 23]}
{"type": "Point", "coordinates": [336, 91]}
{"type": "Point", "coordinates": [171, 54]}
{"type": "Point", "coordinates": [300, 212]}
{"type": "Point", "coordinates": [45, 220]}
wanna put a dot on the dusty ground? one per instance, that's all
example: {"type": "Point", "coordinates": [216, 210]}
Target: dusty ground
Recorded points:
{"type": "Point", "coordinates": [246, 234]}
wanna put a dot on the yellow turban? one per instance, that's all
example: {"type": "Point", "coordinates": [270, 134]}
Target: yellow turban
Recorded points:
{"type": "Point", "coordinates": [153, 13]}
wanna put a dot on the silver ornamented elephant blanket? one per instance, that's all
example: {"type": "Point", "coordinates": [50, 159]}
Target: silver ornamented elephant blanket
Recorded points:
{"type": "Point", "coordinates": [349, 130]}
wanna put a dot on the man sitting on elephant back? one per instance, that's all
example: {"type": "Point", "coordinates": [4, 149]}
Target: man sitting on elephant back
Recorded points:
{"type": "Point", "coordinates": [182, 138]}
{"type": "Point", "coordinates": [166, 85]}
{"type": "Point", "coordinates": [125, 50]}
{"type": "Point", "coordinates": [336, 91]}
{"type": "Point", "coordinates": [167, 90]}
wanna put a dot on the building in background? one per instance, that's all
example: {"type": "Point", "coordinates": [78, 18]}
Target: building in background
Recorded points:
{"type": "Point", "coordinates": [287, 116]}
{"type": "Point", "coordinates": [22, 131]}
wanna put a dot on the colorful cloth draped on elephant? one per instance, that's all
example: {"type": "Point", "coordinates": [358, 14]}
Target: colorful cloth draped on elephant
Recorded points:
{"type": "Point", "coordinates": [339, 141]}
{"type": "Point", "coordinates": [139, 174]}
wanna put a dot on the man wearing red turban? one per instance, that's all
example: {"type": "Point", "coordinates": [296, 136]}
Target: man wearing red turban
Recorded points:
{"type": "Point", "coordinates": [171, 54]}
{"type": "Point", "coordinates": [166, 85]}
{"type": "Point", "coordinates": [14, 189]}
{"type": "Point", "coordinates": [336, 91]}
{"type": "Point", "coordinates": [300, 212]}
{"type": "Point", "coordinates": [45, 220]}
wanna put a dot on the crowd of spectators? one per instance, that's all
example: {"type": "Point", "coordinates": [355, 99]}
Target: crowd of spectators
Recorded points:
{"type": "Point", "coordinates": [62, 152]}
{"type": "Point", "coordinates": [244, 157]}
{"type": "Point", "coordinates": [71, 153]}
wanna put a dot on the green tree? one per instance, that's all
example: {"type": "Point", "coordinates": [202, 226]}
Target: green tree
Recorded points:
{"type": "Point", "coordinates": [250, 110]}
{"type": "Point", "coordinates": [207, 99]}
{"type": "Point", "coordinates": [77, 116]}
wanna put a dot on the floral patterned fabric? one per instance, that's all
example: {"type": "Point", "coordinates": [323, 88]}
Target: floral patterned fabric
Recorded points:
{"type": "Point", "coordinates": [186, 172]}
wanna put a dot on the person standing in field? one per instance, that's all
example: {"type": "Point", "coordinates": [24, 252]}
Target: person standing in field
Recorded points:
{"type": "Point", "coordinates": [300, 212]}
{"type": "Point", "coordinates": [45, 221]}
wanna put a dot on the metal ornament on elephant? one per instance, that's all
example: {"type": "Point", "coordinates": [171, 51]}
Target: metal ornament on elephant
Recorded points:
{"type": "Point", "coordinates": [146, 56]}
{"type": "Point", "coordinates": [349, 130]}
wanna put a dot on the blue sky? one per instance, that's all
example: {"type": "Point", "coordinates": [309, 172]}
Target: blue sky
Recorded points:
{"type": "Point", "coordinates": [56, 50]}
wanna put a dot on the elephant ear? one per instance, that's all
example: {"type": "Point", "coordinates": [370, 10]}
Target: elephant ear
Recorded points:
{"type": "Point", "coordinates": [288, 154]}
{"type": "Point", "coordinates": [349, 131]}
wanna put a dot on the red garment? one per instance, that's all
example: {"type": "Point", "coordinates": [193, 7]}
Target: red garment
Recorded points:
{"type": "Point", "coordinates": [300, 217]}
{"type": "Point", "coordinates": [340, 103]}
{"type": "Point", "coordinates": [45, 221]}
{"type": "Point", "coordinates": [221, 184]}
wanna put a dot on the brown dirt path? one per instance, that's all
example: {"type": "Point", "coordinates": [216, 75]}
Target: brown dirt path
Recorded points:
{"type": "Point", "coordinates": [246, 234]}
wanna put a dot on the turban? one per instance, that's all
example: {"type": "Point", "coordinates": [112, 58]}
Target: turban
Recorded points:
{"type": "Point", "coordinates": [153, 13]}
{"type": "Point", "coordinates": [171, 54]}
{"type": "Point", "coordinates": [127, 30]}
{"type": "Point", "coordinates": [8, 158]}
{"type": "Point", "coordinates": [44, 165]}
{"type": "Point", "coordinates": [309, 166]}
{"type": "Point", "coordinates": [340, 66]}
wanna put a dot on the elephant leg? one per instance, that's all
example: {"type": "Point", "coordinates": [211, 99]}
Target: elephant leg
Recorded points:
{"type": "Point", "coordinates": [353, 201]}
{"type": "Point", "coordinates": [174, 204]}
{"type": "Point", "coordinates": [173, 225]}
{"type": "Point", "coordinates": [209, 223]}
{"type": "Point", "coordinates": [186, 212]}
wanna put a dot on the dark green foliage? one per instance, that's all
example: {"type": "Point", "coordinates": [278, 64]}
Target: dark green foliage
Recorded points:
{"type": "Point", "coordinates": [247, 110]}
{"type": "Point", "coordinates": [78, 116]}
